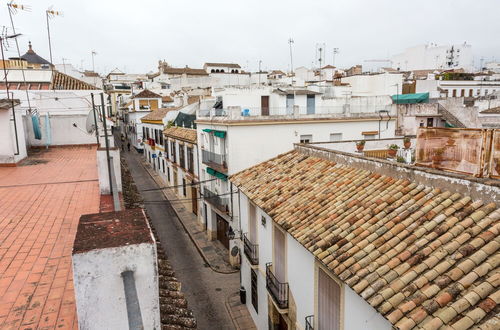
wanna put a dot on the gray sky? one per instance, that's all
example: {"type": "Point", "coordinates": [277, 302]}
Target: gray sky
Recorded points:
{"type": "Point", "coordinates": [134, 35]}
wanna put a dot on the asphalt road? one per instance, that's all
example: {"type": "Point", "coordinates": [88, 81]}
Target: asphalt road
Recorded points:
{"type": "Point", "coordinates": [205, 290]}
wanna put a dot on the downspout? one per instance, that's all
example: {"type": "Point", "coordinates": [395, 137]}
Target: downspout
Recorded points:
{"type": "Point", "coordinates": [47, 131]}
{"type": "Point", "coordinates": [15, 124]}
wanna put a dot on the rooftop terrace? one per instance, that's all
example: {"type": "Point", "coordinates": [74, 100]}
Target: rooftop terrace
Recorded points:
{"type": "Point", "coordinates": [42, 201]}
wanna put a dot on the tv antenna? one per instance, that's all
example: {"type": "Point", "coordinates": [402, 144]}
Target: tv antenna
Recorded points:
{"type": "Point", "coordinates": [335, 52]}
{"type": "Point", "coordinates": [290, 42]}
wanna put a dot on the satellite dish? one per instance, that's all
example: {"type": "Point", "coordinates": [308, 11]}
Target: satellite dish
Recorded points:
{"type": "Point", "coordinates": [90, 124]}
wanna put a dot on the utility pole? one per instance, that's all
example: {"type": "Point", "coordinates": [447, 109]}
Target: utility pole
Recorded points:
{"type": "Point", "coordinates": [49, 13]}
{"type": "Point", "coordinates": [95, 119]}
{"type": "Point", "coordinates": [103, 106]}
{"type": "Point", "coordinates": [290, 42]}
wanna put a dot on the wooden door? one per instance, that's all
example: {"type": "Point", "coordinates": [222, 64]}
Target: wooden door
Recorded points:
{"type": "Point", "coordinates": [194, 199]}
{"type": "Point", "coordinates": [264, 105]}
{"type": "Point", "coordinates": [222, 229]}
{"type": "Point", "coordinates": [279, 261]}
{"type": "Point", "coordinates": [328, 302]}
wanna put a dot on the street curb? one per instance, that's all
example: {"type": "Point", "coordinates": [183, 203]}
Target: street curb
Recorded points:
{"type": "Point", "coordinates": [200, 251]}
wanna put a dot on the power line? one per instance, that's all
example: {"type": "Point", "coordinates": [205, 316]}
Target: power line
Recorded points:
{"type": "Point", "coordinates": [177, 186]}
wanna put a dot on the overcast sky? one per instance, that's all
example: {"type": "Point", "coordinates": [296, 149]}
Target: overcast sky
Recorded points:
{"type": "Point", "coordinates": [134, 35]}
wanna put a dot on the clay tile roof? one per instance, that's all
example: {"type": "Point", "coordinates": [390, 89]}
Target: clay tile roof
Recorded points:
{"type": "Point", "coordinates": [146, 94]}
{"type": "Point", "coordinates": [157, 115]}
{"type": "Point", "coordinates": [495, 110]}
{"type": "Point", "coordinates": [226, 65]}
{"type": "Point", "coordinates": [188, 71]}
{"type": "Point", "coordinates": [193, 99]}
{"type": "Point", "coordinates": [181, 133]}
{"type": "Point", "coordinates": [66, 82]}
{"type": "Point", "coordinates": [422, 257]}
{"type": "Point", "coordinates": [6, 104]}
{"type": "Point", "coordinates": [166, 98]}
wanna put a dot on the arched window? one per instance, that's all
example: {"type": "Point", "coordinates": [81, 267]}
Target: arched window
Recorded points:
{"type": "Point", "coordinates": [217, 70]}
{"type": "Point", "coordinates": [221, 70]}
{"type": "Point", "coordinates": [232, 71]}
{"type": "Point", "coordinates": [212, 71]}
{"type": "Point", "coordinates": [236, 71]}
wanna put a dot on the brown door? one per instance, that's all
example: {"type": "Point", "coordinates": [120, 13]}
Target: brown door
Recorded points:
{"type": "Point", "coordinates": [264, 105]}
{"type": "Point", "coordinates": [282, 325]}
{"type": "Point", "coordinates": [194, 199]}
{"type": "Point", "coordinates": [222, 229]}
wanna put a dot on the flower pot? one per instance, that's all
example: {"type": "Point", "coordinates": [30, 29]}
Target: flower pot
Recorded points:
{"type": "Point", "coordinates": [407, 145]}
{"type": "Point", "coordinates": [360, 147]}
{"type": "Point", "coordinates": [392, 152]}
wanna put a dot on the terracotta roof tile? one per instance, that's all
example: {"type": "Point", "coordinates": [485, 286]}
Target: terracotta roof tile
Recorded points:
{"type": "Point", "coordinates": [421, 256]}
{"type": "Point", "coordinates": [158, 114]}
{"type": "Point", "coordinates": [146, 94]}
{"type": "Point", "coordinates": [181, 133]}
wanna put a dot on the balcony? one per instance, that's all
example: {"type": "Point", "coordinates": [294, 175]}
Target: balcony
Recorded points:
{"type": "Point", "coordinates": [216, 161]}
{"type": "Point", "coordinates": [277, 290]}
{"type": "Point", "coordinates": [221, 203]}
{"type": "Point", "coordinates": [251, 250]}
{"type": "Point", "coordinates": [310, 322]}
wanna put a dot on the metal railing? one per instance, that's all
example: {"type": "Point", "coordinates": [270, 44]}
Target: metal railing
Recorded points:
{"type": "Point", "coordinates": [277, 289]}
{"type": "Point", "coordinates": [251, 250]}
{"type": "Point", "coordinates": [211, 158]}
{"type": "Point", "coordinates": [310, 322]}
{"type": "Point", "coordinates": [221, 203]}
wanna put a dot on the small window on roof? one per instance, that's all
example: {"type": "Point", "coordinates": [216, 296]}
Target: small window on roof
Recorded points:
{"type": "Point", "coordinates": [306, 138]}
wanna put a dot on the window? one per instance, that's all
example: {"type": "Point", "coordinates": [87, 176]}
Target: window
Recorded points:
{"type": "Point", "coordinates": [454, 93]}
{"type": "Point", "coordinates": [430, 122]}
{"type": "Point", "coordinates": [168, 173]}
{"type": "Point", "coordinates": [255, 292]}
{"type": "Point", "coordinates": [183, 186]}
{"type": "Point", "coordinates": [329, 301]}
{"type": "Point", "coordinates": [163, 164]}
{"type": "Point", "coordinates": [161, 137]}
{"type": "Point", "coordinates": [157, 140]}
{"type": "Point", "coordinates": [172, 149]}
{"type": "Point", "coordinates": [336, 137]}
{"type": "Point", "coordinates": [166, 149]}
{"type": "Point", "coordinates": [182, 157]}
{"type": "Point", "coordinates": [462, 93]}
{"type": "Point", "coordinates": [143, 132]}
{"type": "Point", "coordinates": [306, 138]}
{"type": "Point", "coordinates": [471, 93]}
{"type": "Point", "coordinates": [190, 156]}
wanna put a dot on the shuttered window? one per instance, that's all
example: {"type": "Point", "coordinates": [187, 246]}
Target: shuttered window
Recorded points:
{"type": "Point", "coordinates": [328, 302]}
{"type": "Point", "coordinates": [252, 223]}
{"type": "Point", "coordinates": [279, 255]}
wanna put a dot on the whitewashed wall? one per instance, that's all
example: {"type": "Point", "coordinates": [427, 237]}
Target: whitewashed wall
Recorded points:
{"type": "Point", "coordinates": [358, 314]}
{"type": "Point", "coordinates": [8, 146]}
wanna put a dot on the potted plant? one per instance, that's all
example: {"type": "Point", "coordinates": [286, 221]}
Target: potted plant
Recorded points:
{"type": "Point", "coordinates": [360, 145]}
{"type": "Point", "coordinates": [407, 142]}
{"type": "Point", "coordinates": [392, 150]}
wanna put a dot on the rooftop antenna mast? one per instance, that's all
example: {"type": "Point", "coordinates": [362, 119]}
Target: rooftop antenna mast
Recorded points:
{"type": "Point", "coordinates": [320, 51]}
{"type": "Point", "coordinates": [13, 8]}
{"type": "Point", "coordinates": [335, 52]}
{"type": "Point", "coordinates": [50, 13]}
{"type": "Point", "coordinates": [290, 42]}
{"type": "Point", "coordinates": [64, 63]}
{"type": "Point", "coordinates": [93, 66]}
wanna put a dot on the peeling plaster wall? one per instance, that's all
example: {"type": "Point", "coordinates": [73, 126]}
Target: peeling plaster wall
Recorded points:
{"type": "Point", "coordinates": [487, 190]}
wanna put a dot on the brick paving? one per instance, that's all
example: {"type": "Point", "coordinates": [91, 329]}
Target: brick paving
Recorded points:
{"type": "Point", "coordinates": [41, 202]}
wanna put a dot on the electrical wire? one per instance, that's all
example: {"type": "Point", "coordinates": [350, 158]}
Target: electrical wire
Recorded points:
{"type": "Point", "coordinates": [185, 199]}
{"type": "Point", "coordinates": [178, 186]}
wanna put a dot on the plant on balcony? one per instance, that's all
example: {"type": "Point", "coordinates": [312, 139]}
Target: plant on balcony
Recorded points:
{"type": "Point", "coordinates": [360, 145]}
{"type": "Point", "coordinates": [407, 142]}
{"type": "Point", "coordinates": [392, 150]}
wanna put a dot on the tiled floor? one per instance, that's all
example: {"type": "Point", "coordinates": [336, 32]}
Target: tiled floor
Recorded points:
{"type": "Point", "coordinates": [40, 205]}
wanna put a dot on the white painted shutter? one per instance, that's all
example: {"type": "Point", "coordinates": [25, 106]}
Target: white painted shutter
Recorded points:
{"type": "Point", "coordinates": [328, 302]}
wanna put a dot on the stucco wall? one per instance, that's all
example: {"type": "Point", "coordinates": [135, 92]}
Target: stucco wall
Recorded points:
{"type": "Point", "coordinates": [100, 295]}
{"type": "Point", "coordinates": [8, 146]}
{"type": "Point", "coordinates": [358, 314]}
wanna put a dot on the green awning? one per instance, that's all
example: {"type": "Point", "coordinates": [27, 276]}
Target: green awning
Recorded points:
{"type": "Point", "coordinates": [446, 124]}
{"type": "Point", "coordinates": [218, 175]}
{"type": "Point", "coordinates": [221, 134]}
{"type": "Point", "coordinates": [410, 98]}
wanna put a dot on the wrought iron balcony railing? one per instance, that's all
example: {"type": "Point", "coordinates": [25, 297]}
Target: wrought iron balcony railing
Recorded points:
{"type": "Point", "coordinates": [277, 289]}
{"type": "Point", "coordinates": [310, 322]}
{"type": "Point", "coordinates": [221, 203]}
{"type": "Point", "coordinates": [251, 250]}
{"type": "Point", "coordinates": [216, 161]}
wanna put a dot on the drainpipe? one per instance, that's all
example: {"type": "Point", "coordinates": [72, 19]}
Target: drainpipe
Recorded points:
{"type": "Point", "coordinates": [132, 301]}
{"type": "Point", "coordinates": [15, 121]}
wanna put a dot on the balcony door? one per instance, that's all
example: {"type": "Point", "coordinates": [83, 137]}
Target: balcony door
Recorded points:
{"type": "Point", "coordinates": [222, 229]}
{"type": "Point", "coordinates": [311, 104]}
{"type": "Point", "coordinates": [279, 255]}
{"type": "Point", "coordinates": [290, 101]}
{"type": "Point", "coordinates": [264, 105]}
{"type": "Point", "coordinates": [328, 302]}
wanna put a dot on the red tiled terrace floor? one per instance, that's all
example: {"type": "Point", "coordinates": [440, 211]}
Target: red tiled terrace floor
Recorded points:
{"type": "Point", "coordinates": [40, 206]}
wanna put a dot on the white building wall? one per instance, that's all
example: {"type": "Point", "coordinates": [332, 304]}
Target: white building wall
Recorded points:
{"type": "Point", "coordinates": [8, 146]}
{"type": "Point", "coordinates": [358, 314]}
{"type": "Point", "coordinates": [250, 145]}
{"type": "Point", "coordinates": [377, 84]}
{"type": "Point", "coordinates": [300, 276]}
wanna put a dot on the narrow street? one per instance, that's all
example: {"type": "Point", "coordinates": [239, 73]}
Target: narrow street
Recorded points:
{"type": "Point", "coordinates": [205, 290]}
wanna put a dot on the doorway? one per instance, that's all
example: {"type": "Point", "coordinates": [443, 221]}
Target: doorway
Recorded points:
{"type": "Point", "coordinates": [264, 105]}
{"type": "Point", "coordinates": [222, 229]}
{"type": "Point", "coordinates": [194, 199]}
{"type": "Point", "coordinates": [290, 101]}
{"type": "Point", "coordinates": [311, 104]}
